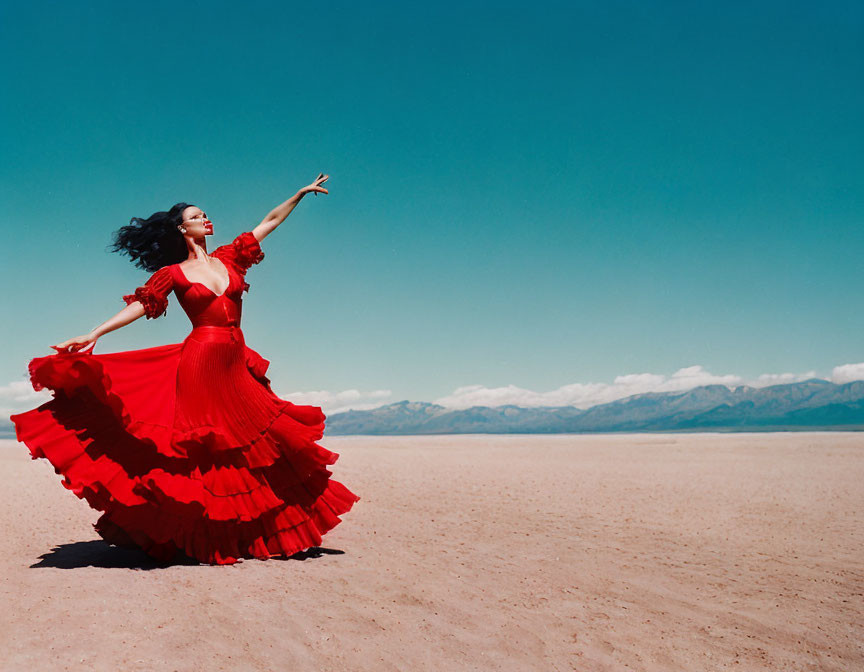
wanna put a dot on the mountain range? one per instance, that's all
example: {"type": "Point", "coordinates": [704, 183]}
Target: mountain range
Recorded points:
{"type": "Point", "coordinates": [808, 405]}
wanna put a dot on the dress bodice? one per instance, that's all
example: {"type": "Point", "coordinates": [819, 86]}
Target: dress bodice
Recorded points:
{"type": "Point", "coordinates": [201, 304]}
{"type": "Point", "coordinates": [205, 308]}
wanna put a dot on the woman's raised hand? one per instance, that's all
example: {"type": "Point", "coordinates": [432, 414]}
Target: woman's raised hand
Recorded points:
{"type": "Point", "coordinates": [315, 187]}
{"type": "Point", "coordinates": [77, 344]}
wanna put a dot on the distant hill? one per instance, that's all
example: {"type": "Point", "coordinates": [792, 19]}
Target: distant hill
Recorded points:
{"type": "Point", "coordinates": [810, 405]}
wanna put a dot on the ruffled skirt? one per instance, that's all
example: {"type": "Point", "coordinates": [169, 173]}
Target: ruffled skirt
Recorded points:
{"type": "Point", "coordinates": [186, 447]}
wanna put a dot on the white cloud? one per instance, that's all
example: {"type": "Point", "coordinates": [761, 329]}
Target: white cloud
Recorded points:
{"type": "Point", "coordinates": [782, 378]}
{"type": "Point", "coordinates": [336, 402]}
{"type": "Point", "coordinates": [19, 396]}
{"type": "Point", "coordinates": [585, 395]}
{"type": "Point", "coordinates": [847, 373]}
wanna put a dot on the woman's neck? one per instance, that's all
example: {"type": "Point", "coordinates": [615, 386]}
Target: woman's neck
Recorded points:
{"type": "Point", "coordinates": [197, 250]}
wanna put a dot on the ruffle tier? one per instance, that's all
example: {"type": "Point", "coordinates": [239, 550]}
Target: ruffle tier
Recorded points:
{"type": "Point", "coordinates": [196, 490]}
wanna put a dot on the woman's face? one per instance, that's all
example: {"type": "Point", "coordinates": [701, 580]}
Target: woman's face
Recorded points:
{"type": "Point", "coordinates": [196, 223]}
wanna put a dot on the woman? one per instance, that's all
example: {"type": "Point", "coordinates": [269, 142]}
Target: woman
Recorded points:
{"type": "Point", "coordinates": [185, 447]}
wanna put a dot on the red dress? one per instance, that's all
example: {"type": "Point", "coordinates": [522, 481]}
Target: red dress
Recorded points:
{"type": "Point", "coordinates": [185, 446]}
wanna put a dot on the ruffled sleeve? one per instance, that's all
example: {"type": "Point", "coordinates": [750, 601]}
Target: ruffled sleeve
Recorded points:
{"type": "Point", "coordinates": [242, 252]}
{"type": "Point", "coordinates": [153, 294]}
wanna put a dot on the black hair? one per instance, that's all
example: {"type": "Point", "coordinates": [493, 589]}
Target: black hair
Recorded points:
{"type": "Point", "coordinates": [153, 242]}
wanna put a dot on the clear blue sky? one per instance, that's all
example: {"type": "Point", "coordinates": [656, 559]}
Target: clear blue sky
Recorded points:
{"type": "Point", "coordinates": [521, 194]}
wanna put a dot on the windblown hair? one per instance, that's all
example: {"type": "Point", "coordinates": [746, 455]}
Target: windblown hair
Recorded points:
{"type": "Point", "coordinates": [153, 242]}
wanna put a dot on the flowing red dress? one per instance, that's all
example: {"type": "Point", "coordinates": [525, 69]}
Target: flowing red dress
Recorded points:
{"type": "Point", "coordinates": [185, 446]}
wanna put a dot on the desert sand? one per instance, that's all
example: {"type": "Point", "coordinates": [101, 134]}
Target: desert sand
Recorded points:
{"type": "Point", "coordinates": [625, 552]}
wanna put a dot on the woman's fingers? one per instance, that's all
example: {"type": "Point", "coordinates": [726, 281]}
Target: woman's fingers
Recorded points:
{"type": "Point", "coordinates": [74, 345]}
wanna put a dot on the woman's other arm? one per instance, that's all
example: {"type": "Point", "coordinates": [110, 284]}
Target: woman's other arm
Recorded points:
{"type": "Point", "coordinates": [278, 214]}
{"type": "Point", "coordinates": [150, 299]}
{"type": "Point", "coordinates": [126, 316]}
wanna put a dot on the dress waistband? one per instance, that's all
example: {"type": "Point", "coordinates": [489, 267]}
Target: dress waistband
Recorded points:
{"type": "Point", "coordinates": [216, 334]}
{"type": "Point", "coordinates": [217, 327]}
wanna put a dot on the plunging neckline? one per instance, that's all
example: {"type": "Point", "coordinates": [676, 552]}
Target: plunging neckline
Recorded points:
{"type": "Point", "coordinates": [195, 282]}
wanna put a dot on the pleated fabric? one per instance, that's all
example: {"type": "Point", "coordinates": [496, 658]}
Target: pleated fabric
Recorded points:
{"type": "Point", "coordinates": [186, 447]}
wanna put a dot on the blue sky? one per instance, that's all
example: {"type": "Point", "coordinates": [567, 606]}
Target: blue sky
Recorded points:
{"type": "Point", "coordinates": [523, 198]}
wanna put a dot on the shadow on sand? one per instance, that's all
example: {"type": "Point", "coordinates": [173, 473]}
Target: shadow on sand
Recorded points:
{"type": "Point", "coordinates": [98, 553]}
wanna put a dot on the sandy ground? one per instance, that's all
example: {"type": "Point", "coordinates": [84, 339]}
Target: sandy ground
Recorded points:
{"type": "Point", "coordinates": [639, 552]}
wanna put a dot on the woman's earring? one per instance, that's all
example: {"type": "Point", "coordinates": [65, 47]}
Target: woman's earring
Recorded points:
{"type": "Point", "coordinates": [182, 230]}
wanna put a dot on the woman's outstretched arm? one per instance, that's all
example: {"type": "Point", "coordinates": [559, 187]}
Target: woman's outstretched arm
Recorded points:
{"type": "Point", "coordinates": [126, 316]}
{"type": "Point", "coordinates": [278, 214]}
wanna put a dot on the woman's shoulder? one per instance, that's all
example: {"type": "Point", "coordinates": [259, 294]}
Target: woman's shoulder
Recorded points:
{"type": "Point", "coordinates": [163, 273]}
{"type": "Point", "coordinates": [244, 250]}
{"type": "Point", "coordinates": [153, 294]}
{"type": "Point", "coordinates": [241, 241]}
